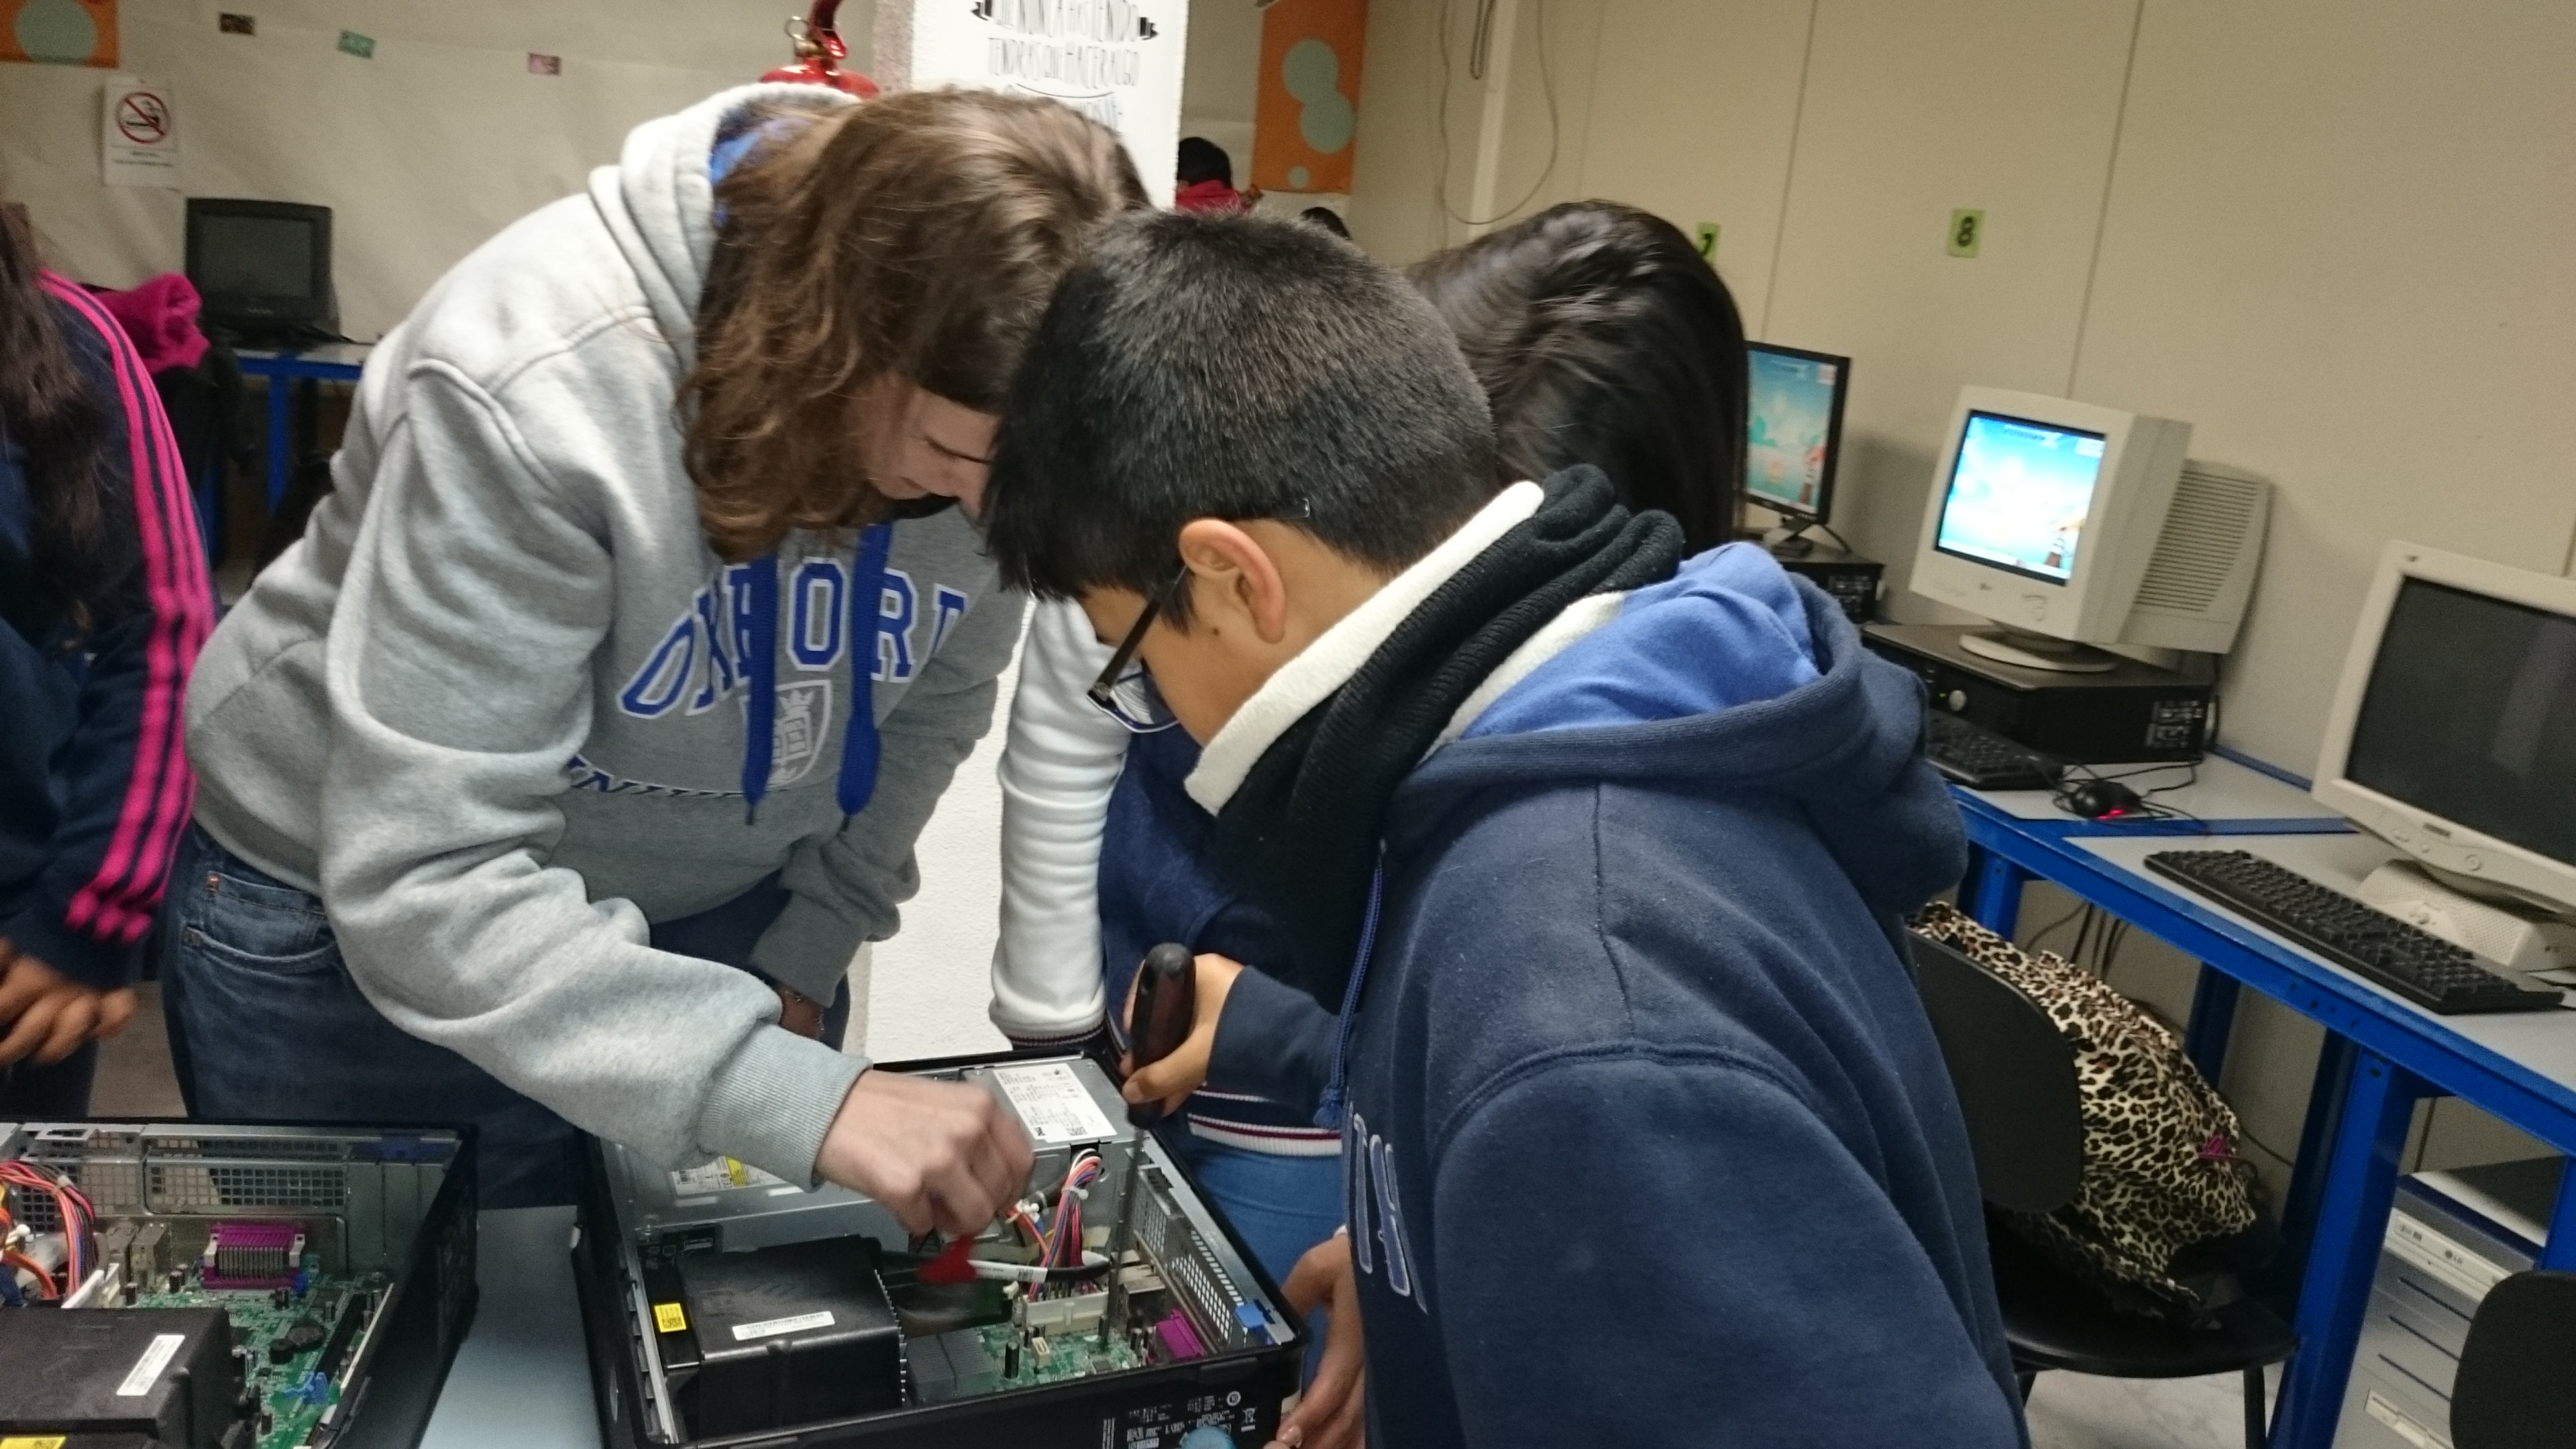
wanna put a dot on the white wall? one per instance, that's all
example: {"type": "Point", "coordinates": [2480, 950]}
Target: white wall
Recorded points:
{"type": "Point", "coordinates": [1220, 85]}
{"type": "Point", "coordinates": [2333, 237]}
{"type": "Point", "coordinates": [439, 140]}
{"type": "Point", "coordinates": [928, 987]}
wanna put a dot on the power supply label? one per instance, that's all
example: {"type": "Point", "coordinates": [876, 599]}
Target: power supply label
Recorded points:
{"type": "Point", "coordinates": [147, 1369]}
{"type": "Point", "coordinates": [772, 1327]}
{"type": "Point", "coordinates": [1053, 1104]}
{"type": "Point", "coordinates": [722, 1175]}
{"type": "Point", "coordinates": [670, 1318]}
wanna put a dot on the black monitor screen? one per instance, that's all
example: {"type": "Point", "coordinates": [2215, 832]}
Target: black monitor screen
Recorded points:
{"type": "Point", "coordinates": [1793, 422]}
{"type": "Point", "coordinates": [2470, 714]}
{"type": "Point", "coordinates": [255, 256]}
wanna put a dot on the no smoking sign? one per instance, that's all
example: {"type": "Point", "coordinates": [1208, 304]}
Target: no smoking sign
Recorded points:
{"type": "Point", "coordinates": [138, 134]}
{"type": "Point", "coordinates": [143, 118]}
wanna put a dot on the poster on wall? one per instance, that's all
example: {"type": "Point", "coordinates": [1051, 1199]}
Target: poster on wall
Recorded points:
{"type": "Point", "coordinates": [59, 32]}
{"type": "Point", "coordinates": [138, 134]}
{"type": "Point", "coordinates": [1118, 61]}
{"type": "Point", "coordinates": [1306, 114]}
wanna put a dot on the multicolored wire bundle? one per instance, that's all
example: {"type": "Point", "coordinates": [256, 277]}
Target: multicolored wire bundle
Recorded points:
{"type": "Point", "coordinates": [79, 1221]}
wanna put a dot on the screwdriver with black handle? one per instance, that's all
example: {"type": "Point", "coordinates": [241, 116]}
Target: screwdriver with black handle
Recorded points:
{"type": "Point", "coordinates": [1166, 1009]}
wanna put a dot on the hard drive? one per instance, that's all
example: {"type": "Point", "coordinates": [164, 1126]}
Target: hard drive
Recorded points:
{"type": "Point", "coordinates": [726, 1307]}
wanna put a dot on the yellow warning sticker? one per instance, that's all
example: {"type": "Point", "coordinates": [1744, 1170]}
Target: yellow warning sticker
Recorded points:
{"type": "Point", "coordinates": [32, 1441]}
{"type": "Point", "coordinates": [668, 1317]}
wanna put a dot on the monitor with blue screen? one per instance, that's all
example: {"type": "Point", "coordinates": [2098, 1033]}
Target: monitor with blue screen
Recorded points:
{"type": "Point", "coordinates": [2019, 494]}
{"type": "Point", "coordinates": [1793, 423]}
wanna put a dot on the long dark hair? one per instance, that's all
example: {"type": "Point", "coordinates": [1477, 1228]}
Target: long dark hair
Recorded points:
{"type": "Point", "coordinates": [1601, 337]}
{"type": "Point", "coordinates": [52, 414]}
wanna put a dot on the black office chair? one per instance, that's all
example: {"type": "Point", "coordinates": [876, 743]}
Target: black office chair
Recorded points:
{"type": "Point", "coordinates": [2511, 1389]}
{"type": "Point", "coordinates": [2015, 1075]}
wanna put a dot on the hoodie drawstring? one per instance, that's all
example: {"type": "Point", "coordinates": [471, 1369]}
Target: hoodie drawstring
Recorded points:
{"type": "Point", "coordinates": [760, 684]}
{"type": "Point", "coordinates": [858, 779]}
{"type": "Point", "coordinates": [867, 603]}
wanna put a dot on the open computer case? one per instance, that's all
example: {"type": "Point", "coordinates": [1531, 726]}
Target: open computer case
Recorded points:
{"type": "Point", "coordinates": [235, 1285]}
{"type": "Point", "coordinates": [725, 1307]}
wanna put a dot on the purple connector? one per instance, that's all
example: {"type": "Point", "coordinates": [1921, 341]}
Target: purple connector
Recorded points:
{"type": "Point", "coordinates": [252, 1255]}
{"type": "Point", "coordinates": [1180, 1341]}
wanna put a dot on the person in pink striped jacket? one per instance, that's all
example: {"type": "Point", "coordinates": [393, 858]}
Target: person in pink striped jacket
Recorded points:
{"type": "Point", "coordinates": [103, 604]}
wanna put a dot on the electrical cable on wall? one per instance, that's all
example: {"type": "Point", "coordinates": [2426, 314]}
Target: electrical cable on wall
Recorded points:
{"type": "Point", "coordinates": [1479, 61]}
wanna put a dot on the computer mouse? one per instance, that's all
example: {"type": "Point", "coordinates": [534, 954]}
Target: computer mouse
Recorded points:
{"type": "Point", "coordinates": [2101, 799]}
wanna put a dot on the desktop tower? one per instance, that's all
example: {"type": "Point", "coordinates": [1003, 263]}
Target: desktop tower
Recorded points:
{"type": "Point", "coordinates": [2131, 713]}
{"type": "Point", "coordinates": [2452, 1236]}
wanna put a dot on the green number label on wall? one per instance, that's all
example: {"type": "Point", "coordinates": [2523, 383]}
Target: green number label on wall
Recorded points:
{"type": "Point", "coordinates": [1708, 242]}
{"type": "Point", "coordinates": [1967, 231]}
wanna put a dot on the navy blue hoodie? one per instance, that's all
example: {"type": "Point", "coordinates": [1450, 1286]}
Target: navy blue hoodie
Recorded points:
{"type": "Point", "coordinates": [94, 781]}
{"type": "Point", "coordinates": [1648, 1141]}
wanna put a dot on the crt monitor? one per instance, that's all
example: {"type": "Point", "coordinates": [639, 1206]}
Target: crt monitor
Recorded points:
{"type": "Point", "coordinates": [2453, 733]}
{"type": "Point", "coordinates": [2072, 525]}
{"type": "Point", "coordinates": [263, 268]}
{"type": "Point", "coordinates": [1793, 427]}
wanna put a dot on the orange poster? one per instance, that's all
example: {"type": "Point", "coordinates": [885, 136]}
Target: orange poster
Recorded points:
{"type": "Point", "coordinates": [59, 32]}
{"type": "Point", "coordinates": [1308, 112]}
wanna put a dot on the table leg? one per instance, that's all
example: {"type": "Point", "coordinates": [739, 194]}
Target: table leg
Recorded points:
{"type": "Point", "coordinates": [2213, 1015]}
{"type": "Point", "coordinates": [1991, 893]}
{"type": "Point", "coordinates": [281, 443]}
{"type": "Point", "coordinates": [2316, 1140]}
{"type": "Point", "coordinates": [2559, 1254]}
{"type": "Point", "coordinates": [2360, 1183]}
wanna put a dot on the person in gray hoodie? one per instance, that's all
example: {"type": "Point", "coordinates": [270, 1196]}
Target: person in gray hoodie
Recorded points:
{"type": "Point", "coordinates": [552, 780]}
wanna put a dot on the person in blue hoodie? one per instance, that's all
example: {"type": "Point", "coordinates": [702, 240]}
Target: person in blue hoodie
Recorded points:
{"type": "Point", "coordinates": [1602, 857]}
{"type": "Point", "coordinates": [1599, 335]}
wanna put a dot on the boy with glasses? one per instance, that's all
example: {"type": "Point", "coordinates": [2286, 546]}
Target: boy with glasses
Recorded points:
{"type": "Point", "coordinates": [1600, 854]}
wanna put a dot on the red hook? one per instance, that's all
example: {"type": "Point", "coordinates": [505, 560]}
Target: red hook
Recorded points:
{"type": "Point", "coordinates": [819, 53]}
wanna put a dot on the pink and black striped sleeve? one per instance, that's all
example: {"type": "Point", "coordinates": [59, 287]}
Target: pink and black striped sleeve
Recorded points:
{"type": "Point", "coordinates": [123, 781]}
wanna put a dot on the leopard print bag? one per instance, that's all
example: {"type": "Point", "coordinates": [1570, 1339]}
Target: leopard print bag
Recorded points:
{"type": "Point", "coordinates": [2161, 1172]}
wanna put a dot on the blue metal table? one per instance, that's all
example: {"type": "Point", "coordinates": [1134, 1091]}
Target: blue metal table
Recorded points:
{"type": "Point", "coordinates": [335, 362]}
{"type": "Point", "coordinates": [2383, 1053]}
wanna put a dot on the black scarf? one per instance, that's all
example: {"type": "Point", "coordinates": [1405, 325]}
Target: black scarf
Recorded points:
{"type": "Point", "coordinates": [1300, 836]}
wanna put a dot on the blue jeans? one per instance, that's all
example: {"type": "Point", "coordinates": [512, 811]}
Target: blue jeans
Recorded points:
{"type": "Point", "coordinates": [267, 1025]}
{"type": "Point", "coordinates": [1280, 1206]}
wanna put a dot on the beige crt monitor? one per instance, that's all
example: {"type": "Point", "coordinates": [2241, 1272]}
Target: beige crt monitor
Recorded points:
{"type": "Point", "coordinates": [2453, 738]}
{"type": "Point", "coordinates": [2072, 524]}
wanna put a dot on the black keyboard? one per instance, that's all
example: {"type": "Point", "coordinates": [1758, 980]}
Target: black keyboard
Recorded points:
{"type": "Point", "coordinates": [2417, 965]}
{"type": "Point", "coordinates": [1980, 759]}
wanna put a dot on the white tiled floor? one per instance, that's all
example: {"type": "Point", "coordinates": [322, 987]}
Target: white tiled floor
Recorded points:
{"type": "Point", "coordinates": [2073, 1411]}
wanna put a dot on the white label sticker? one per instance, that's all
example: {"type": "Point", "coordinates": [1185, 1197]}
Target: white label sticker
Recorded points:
{"type": "Point", "coordinates": [2407, 1429]}
{"type": "Point", "coordinates": [147, 1369]}
{"type": "Point", "coordinates": [1052, 1104]}
{"type": "Point", "coordinates": [2416, 1242]}
{"type": "Point", "coordinates": [772, 1327]}
{"type": "Point", "coordinates": [722, 1175]}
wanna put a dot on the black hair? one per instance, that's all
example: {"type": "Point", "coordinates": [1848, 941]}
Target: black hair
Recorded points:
{"type": "Point", "coordinates": [1230, 367]}
{"type": "Point", "coordinates": [1203, 160]}
{"type": "Point", "coordinates": [1327, 218]}
{"type": "Point", "coordinates": [52, 412]}
{"type": "Point", "coordinates": [1602, 337]}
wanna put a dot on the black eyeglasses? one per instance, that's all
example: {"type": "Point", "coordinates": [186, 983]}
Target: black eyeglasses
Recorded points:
{"type": "Point", "coordinates": [1125, 690]}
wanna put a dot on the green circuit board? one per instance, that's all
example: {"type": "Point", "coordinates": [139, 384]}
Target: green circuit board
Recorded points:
{"type": "Point", "coordinates": [1069, 1356]}
{"type": "Point", "coordinates": [288, 1392]}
